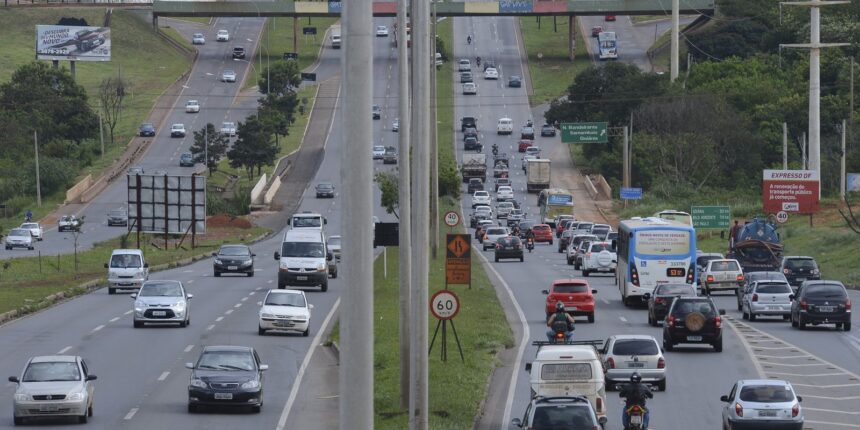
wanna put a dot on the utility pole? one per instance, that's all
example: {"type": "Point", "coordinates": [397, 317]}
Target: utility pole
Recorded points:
{"type": "Point", "coordinates": [673, 75]}
{"type": "Point", "coordinates": [206, 146]}
{"type": "Point", "coordinates": [784, 146]}
{"type": "Point", "coordinates": [356, 373]}
{"type": "Point", "coordinates": [434, 146]}
{"type": "Point", "coordinates": [418, 386]}
{"type": "Point", "coordinates": [38, 181]}
{"type": "Point", "coordinates": [851, 104]}
{"type": "Point", "coordinates": [405, 240]}
{"type": "Point", "coordinates": [803, 158]}
{"type": "Point", "coordinates": [842, 167]}
{"type": "Point", "coordinates": [101, 131]}
{"type": "Point", "coordinates": [625, 161]}
{"type": "Point", "coordinates": [814, 47]}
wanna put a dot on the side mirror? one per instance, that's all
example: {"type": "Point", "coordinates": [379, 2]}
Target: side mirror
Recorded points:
{"type": "Point", "coordinates": [214, 254]}
{"type": "Point", "coordinates": [593, 291]}
{"type": "Point", "coordinates": [133, 295]}
{"type": "Point", "coordinates": [646, 296]}
{"type": "Point", "coordinates": [724, 398]}
{"type": "Point", "coordinates": [799, 399]}
{"type": "Point", "coordinates": [146, 265]}
{"type": "Point", "coordinates": [791, 297]}
{"type": "Point", "coordinates": [189, 296]}
{"type": "Point", "coordinates": [289, 221]}
{"type": "Point", "coordinates": [106, 266]}
{"type": "Point", "coordinates": [277, 256]}
{"type": "Point", "coordinates": [189, 365]}
{"type": "Point", "coordinates": [545, 292]}
{"type": "Point", "coordinates": [310, 306]}
{"type": "Point", "coordinates": [91, 378]}
{"type": "Point", "coordinates": [253, 255]}
{"type": "Point", "coordinates": [13, 379]}
{"type": "Point", "coordinates": [602, 421]}
{"type": "Point", "coordinates": [528, 367]}
{"type": "Point", "coordinates": [264, 367]}
{"type": "Point", "coordinates": [516, 422]}
{"type": "Point", "coordinates": [722, 311]}
{"type": "Point", "coordinates": [325, 220]}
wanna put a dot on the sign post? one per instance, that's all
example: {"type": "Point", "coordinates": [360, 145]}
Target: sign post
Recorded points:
{"type": "Point", "coordinates": [445, 305]}
{"type": "Point", "coordinates": [711, 217]}
{"type": "Point", "coordinates": [584, 132]}
{"type": "Point", "coordinates": [458, 261]}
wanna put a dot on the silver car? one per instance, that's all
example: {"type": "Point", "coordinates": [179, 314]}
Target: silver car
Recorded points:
{"type": "Point", "coordinates": [767, 298]}
{"type": "Point", "coordinates": [53, 386]}
{"type": "Point", "coordinates": [19, 238]}
{"type": "Point", "coordinates": [624, 354]}
{"type": "Point", "coordinates": [762, 403]}
{"type": "Point", "coordinates": [162, 302]}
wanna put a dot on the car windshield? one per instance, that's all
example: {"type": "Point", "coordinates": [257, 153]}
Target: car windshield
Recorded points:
{"type": "Point", "coordinates": [160, 289]}
{"type": "Point", "coordinates": [758, 276]}
{"type": "Point", "coordinates": [773, 288]}
{"type": "Point", "coordinates": [496, 231]}
{"type": "Point", "coordinates": [301, 221]}
{"type": "Point", "coordinates": [584, 226]}
{"type": "Point", "coordinates": [125, 261]}
{"type": "Point", "coordinates": [285, 299]}
{"type": "Point", "coordinates": [226, 360]}
{"type": "Point", "coordinates": [667, 289]}
{"type": "Point", "coordinates": [702, 261]}
{"type": "Point", "coordinates": [540, 228]}
{"type": "Point", "coordinates": [334, 241]}
{"type": "Point", "coordinates": [19, 232]}
{"type": "Point", "coordinates": [234, 251]}
{"type": "Point", "coordinates": [801, 264]}
{"type": "Point", "coordinates": [507, 241]}
{"type": "Point", "coordinates": [827, 291]}
{"type": "Point", "coordinates": [570, 288]}
{"type": "Point", "coordinates": [30, 225]}
{"type": "Point", "coordinates": [766, 393]}
{"type": "Point", "coordinates": [684, 307]}
{"type": "Point", "coordinates": [562, 417]}
{"type": "Point", "coordinates": [303, 249]}
{"type": "Point", "coordinates": [379, 148]}
{"type": "Point", "coordinates": [597, 247]}
{"type": "Point", "coordinates": [52, 371]}
{"type": "Point", "coordinates": [725, 266]}
{"type": "Point", "coordinates": [635, 347]}
{"type": "Point", "coordinates": [600, 231]}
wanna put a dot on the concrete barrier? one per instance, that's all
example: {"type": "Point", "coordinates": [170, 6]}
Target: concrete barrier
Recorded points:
{"type": "Point", "coordinates": [73, 194]}
{"type": "Point", "coordinates": [273, 189]}
{"type": "Point", "coordinates": [603, 187]}
{"type": "Point", "coordinates": [257, 191]}
{"type": "Point", "coordinates": [589, 187]}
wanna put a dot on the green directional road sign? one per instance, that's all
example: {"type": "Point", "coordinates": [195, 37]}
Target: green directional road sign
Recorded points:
{"type": "Point", "coordinates": [584, 132]}
{"type": "Point", "coordinates": [714, 217]}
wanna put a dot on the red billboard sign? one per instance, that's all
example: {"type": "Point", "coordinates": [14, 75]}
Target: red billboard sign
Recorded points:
{"type": "Point", "coordinates": [795, 191]}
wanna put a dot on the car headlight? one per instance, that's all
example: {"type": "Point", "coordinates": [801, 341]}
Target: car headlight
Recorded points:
{"type": "Point", "coordinates": [251, 384]}
{"type": "Point", "coordinates": [321, 267]}
{"type": "Point", "coordinates": [139, 306]}
{"type": "Point", "coordinates": [300, 319]}
{"type": "Point", "coordinates": [217, 261]}
{"type": "Point", "coordinates": [22, 397]}
{"type": "Point", "coordinates": [198, 383]}
{"type": "Point", "coordinates": [75, 396]}
{"type": "Point", "coordinates": [262, 315]}
{"type": "Point", "coordinates": [178, 305]}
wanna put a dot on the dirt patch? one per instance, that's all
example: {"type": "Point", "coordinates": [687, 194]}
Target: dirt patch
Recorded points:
{"type": "Point", "coordinates": [225, 221]}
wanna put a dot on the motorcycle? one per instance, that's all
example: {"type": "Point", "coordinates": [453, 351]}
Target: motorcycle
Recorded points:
{"type": "Point", "coordinates": [560, 333]}
{"type": "Point", "coordinates": [468, 40]}
{"type": "Point", "coordinates": [530, 244]}
{"type": "Point", "coordinates": [635, 417]}
{"type": "Point", "coordinates": [495, 150]}
{"type": "Point", "coordinates": [478, 60]}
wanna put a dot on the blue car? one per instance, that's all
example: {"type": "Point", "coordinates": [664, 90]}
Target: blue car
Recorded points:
{"type": "Point", "coordinates": [186, 160]}
{"type": "Point", "coordinates": [147, 130]}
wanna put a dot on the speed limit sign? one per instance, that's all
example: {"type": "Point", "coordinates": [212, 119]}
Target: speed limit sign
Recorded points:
{"type": "Point", "coordinates": [781, 217]}
{"type": "Point", "coordinates": [452, 219]}
{"type": "Point", "coordinates": [444, 305]}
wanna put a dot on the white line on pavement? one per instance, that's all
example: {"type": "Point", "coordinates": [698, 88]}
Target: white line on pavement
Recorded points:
{"type": "Point", "coordinates": [211, 326]}
{"type": "Point", "coordinates": [605, 301]}
{"type": "Point", "coordinates": [98, 328]}
{"type": "Point", "coordinates": [229, 311]}
{"type": "Point", "coordinates": [252, 293]}
{"type": "Point", "coordinates": [189, 348]}
{"type": "Point", "coordinates": [244, 299]}
{"type": "Point", "coordinates": [219, 319]}
{"type": "Point", "coordinates": [163, 376]}
{"type": "Point", "coordinates": [128, 312]}
{"type": "Point", "coordinates": [624, 320]}
{"type": "Point", "coordinates": [857, 426]}
{"type": "Point", "coordinates": [114, 319]}
{"type": "Point", "coordinates": [130, 414]}
{"type": "Point", "coordinates": [64, 350]}
{"type": "Point", "coordinates": [237, 305]}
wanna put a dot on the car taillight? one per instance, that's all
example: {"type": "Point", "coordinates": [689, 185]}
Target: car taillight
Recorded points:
{"type": "Point", "coordinates": [691, 272]}
{"type": "Point", "coordinates": [847, 304]}
{"type": "Point", "coordinates": [786, 271]}
{"type": "Point", "coordinates": [659, 300]}
{"type": "Point", "coordinates": [718, 322]}
{"type": "Point", "coordinates": [587, 255]}
{"type": "Point", "coordinates": [795, 410]}
{"type": "Point", "coordinates": [671, 321]}
{"type": "Point", "coordinates": [634, 275]}
{"type": "Point", "coordinates": [740, 278]}
{"type": "Point", "coordinates": [610, 363]}
{"type": "Point", "coordinates": [710, 278]}
{"type": "Point", "coordinates": [498, 246]}
{"type": "Point", "coordinates": [739, 410]}
{"type": "Point", "coordinates": [661, 363]}
{"type": "Point", "coordinates": [815, 271]}
{"type": "Point", "coordinates": [803, 304]}
{"type": "Point", "coordinates": [599, 404]}
{"type": "Point", "coordinates": [755, 297]}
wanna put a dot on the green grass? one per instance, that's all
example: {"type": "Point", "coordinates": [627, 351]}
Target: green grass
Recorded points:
{"type": "Point", "coordinates": [205, 20]}
{"type": "Point", "coordinates": [554, 72]}
{"type": "Point", "coordinates": [642, 18]}
{"type": "Point", "coordinates": [26, 281]}
{"type": "Point", "coordinates": [277, 38]}
{"type": "Point", "coordinates": [445, 99]}
{"type": "Point", "coordinates": [177, 37]}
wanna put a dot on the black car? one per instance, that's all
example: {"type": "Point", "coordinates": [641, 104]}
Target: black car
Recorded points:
{"type": "Point", "coordinates": [325, 189]}
{"type": "Point", "coordinates": [479, 216]}
{"type": "Point", "coordinates": [515, 81]}
{"type": "Point", "coordinates": [390, 156]}
{"type": "Point", "coordinates": [186, 160]}
{"type": "Point", "coordinates": [662, 297]}
{"type": "Point", "coordinates": [752, 277]}
{"type": "Point", "coordinates": [470, 132]}
{"type": "Point", "coordinates": [525, 227]}
{"type": "Point", "coordinates": [693, 320]}
{"type": "Point", "coordinates": [117, 217]}
{"type": "Point", "coordinates": [471, 144]}
{"type": "Point", "coordinates": [475, 184]}
{"type": "Point", "coordinates": [564, 240]}
{"type": "Point", "coordinates": [377, 112]}
{"type": "Point", "coordinates": [466, 77]}
{"type": "Point", "coordinates": [147, 130]}
{"type": "Point", "coordinates": [468, 122]}
{"type": "Point", "coordinates": [527, 132]}
{"type": "Point", "coordinates": [238, 52]}
{"type": "Point", "coordinates": [509, 247]}
{"type": "Point", "coordinates": [821, 302]}
{"type": "Point", "coordinates": [547, 130]}
{"type": "Point", "coordinates": [233, 259]}
{"type": "Point", "coordinates": [798, 269]}
{"type": "Point", "coordinates": [226, 376]}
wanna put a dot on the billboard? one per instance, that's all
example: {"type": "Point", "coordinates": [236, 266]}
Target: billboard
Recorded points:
{"type": "Point", "coordinates": [794, 191]}
{"type": "Point", "coordinates": [165, 202]}
{"type": "Point", "coordinates": [853, 182]}
{"type": "Point", "coordinates": [67, 42]}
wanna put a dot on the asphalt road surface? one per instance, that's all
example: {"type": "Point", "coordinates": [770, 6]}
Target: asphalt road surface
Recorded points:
{"type": "Point", "coordinates": [633, 40]}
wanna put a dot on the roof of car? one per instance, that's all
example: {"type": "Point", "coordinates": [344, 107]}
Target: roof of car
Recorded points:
{"type": "Point", "coordinates": [299, 292]}
{"type": "Point", "coordinates": [227, 348]}
{"type": "Point", "coordinates": [126, 251]}
{"type": "Point", "coordinates": [556, 352]}
{"type": "Point", "coordinates": [632, 336]}
{"type": "Point", "coordinates": [763, 382]}
{"type": "Point", "coordinates": [570, 281]}
{"type": "Point", "coordinates": [54, 359]}
{"type": "Point", "coordinates": [790, 257]}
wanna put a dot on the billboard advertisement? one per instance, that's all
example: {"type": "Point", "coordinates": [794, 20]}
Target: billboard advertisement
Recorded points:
{"type": "Point", "coordinates": [853, 182]}
{"type": "Point", "coordinates": [166, 204]}
{"type": "Point", "coordinates": [794, 191]}
{"type": "Point", "coordinates": [66, 42]}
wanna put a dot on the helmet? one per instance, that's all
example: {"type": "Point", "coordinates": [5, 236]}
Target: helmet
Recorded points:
{"type": "Point", "coordinates": [559, 307]}
{"type": "Point", "coordinates": [635, 378]}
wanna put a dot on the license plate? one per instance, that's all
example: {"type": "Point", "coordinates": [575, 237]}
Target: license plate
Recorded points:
{"type": "Point", "coordinates": [694, 338]}
{"type": "Point", "coordinates": [801, 279]}
{"type": "Point", "coordinates": [767, 413]}
{"type": "Point", "coordinates": [635, 364]}
{"type": "Point", "coordinates": [825, 309]}
{"type": "Point", "coordinates": [232, 267]}
{"type": "Point", "coordinates": [573, 308]}
{"type": "Point", "coordinates": [49, 408]}
{"type": "Point", "coordinates": [774, 308]}
{"type": "Point", "coordinates": [636, 419]}
{"type": "Point", "coordinates": [224, 396]}
{"type": "Point", "coordinates": [283, 324]}
{"type": "Point", "coordinates": [159, 313]}
{"type": "Point", "coordinates": [301, 278]}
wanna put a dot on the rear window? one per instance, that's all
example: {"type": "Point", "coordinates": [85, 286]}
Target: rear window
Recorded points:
{"type": "Point", "coordinates": [635, 347]}
{"type": "Point", "coordinates": [600, 231]}
{"type": "Point", "coordinates": [540, 228]}
{"type": "Point", "coordinates": [570, 288]}
{"type": "Point", "coordinates": [828, 291]}
{"type": "Point", "coordinates": [725, 266]}
{"type": "Point", "coordinates": [766, 393]}
{"type": "Point", "coordinates": [496, 231]}
{"type": "Point", "coordinates": [597, 247]}
{"type": "Point", "coordinates": [674, 289]}
{"type": "Point", "coordinates": [801, 263]}
{"type": "Point", "coordinates": [554, 417]}
{"type": "Point", "coordinates": [683, 307]}
{"type": "Point", "coordinates": [565, 371]}
{"type": "Point", "coordinates": [773, 288]}
{"type": "Point", "coordinates": [703, 261]}
{"type": "Point", "coordinates": [584, 226]}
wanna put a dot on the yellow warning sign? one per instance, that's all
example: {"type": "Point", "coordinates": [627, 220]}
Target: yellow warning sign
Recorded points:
{"type": "Point", "coordinates": [458, 261]}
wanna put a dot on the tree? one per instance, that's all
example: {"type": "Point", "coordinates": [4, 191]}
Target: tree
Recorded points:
{"type": "Point", "coordinates": [253, 148]}
{"type": "Point", "coordinates": [390, 196]}
{"type": "Point", "coordinates": [281, 77]}
{"type": "Point", "coordinates": [277, 112]}
{"type": "Point", "coordinates": [111, 96]}
{"type": "Point", "coordinates": [217, 146]}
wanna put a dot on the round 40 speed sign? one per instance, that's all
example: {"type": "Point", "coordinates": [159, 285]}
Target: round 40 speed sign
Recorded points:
{"type": "Point", "coordinates": [444, 305]}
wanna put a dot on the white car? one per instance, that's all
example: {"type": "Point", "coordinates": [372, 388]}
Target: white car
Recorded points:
{"type": "Point", "coordinates": [286, 310]}
{"type": "Point", "coordinates": [228, 129]}
{"type": "Point", "coordinates": [505, 126]}
{"type": "Point", "coordinates": [395, 126]}
{"type": "Point", "coordinates": [492, 234]}
{"type": "Point", "coordinates": [228, 76]}
{"type": "Point", "coordinates": [19, 238]}
{"type": "Point", "coordinates": [378, 152]}
{"type": "Point", "coordinates": [177, 130]}
{"type": "Point", "coordinates": [599, 257]}
{"type": "Point", "coordinates": [51, 375]}
{"type": "Point", "coordinates": [534, 151]}
{"type": "Point", "coordinates": [192, 106]}
{"type": "Point", "coordinates": [491, 73]}
{"type": "Point", "coordinates": [68, 223]}
{"type": "Point", "coordinates": [222, 36]}
{"type": "Point", "coordinates": [35, 229]}
{"type": "Point", "coordinates": [464, 65]}
{"type": "Point", "coordinates": [198, 39]}
{"type": "Point", "coordinates": [161, 302]}
{"type": "Point", "coordinates": [505, 192]}
{"type": "Point", "coordinates": [503, 209]}
{"type": "Point", "coordinates": [624, 354]}
{"type": "Point", "coordinates": [381, 31]}
{"type": "Point", "coordinates": [470, 88]}
{"type": "Point", "coordinates": [480, 198]}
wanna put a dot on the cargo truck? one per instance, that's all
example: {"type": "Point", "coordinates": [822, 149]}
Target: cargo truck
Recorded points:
{"type": "Point", "coordinates": [538, 175]}
{"type": "Point", "coordinates": [474, 166]}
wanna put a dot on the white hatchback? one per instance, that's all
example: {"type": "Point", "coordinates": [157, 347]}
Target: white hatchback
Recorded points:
{"type": "Point", "coordinates": [504, 193]}
{"type": "Point", "coordinates": [228, 129]}
{"type": "Point", "coordinates": [286, 310]}
{"type": "Point", "coordinates": [469, 88]}
{"type": "Point", "coordinates": [192, 106]}
{"type": "Point", "coordinates": [381, 31]}
{"type": "Point", "coordinates": [491, 73]}
{"type": "Point", "coordinates": [480, 198]}
{"type": "Point", "coordinates": [624, 354]}
{"type": "Point", "coordinates": [464, 65]}
{"type": "Point", "coordinates": [378, 152]}
{"type": "Point", "coordinates": [222, 36]}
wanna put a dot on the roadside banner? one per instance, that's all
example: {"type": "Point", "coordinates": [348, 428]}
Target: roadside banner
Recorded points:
{"type": "Point", "coordinates": [791, 191]}
{"type": "Point", "coordinates": [67, 42]}
{"type": "Point", "coordinates": [853, 182]}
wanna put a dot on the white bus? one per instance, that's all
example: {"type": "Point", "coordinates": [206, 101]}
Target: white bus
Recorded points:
{"type": "Point", "coordinates": [653, 251]}
{"type": "Point", "coordinates": [608, 45]}
{"type": "Point", "coordinates": [673, 215]}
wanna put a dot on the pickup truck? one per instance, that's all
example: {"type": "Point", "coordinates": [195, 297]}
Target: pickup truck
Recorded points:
{"type": "Point", "coordinates": [724, 274]}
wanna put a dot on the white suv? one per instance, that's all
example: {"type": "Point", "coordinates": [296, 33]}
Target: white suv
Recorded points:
{"type": "Point", "coordinates": [599, 257]}
{"type": "Point", "coordinates": [504, 192]}
{"type": "Point", "coordinates": [480, 198]}
{"type": "Point", "coordinates": [624, 354]}
{"type": "Point", "coordinates": [503, 209]}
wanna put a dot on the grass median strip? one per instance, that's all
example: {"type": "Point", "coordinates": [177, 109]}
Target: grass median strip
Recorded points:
{"type": "Point", "coordinates": [277, 39]}
{"type": "Point", "coordinates": [553, 72]}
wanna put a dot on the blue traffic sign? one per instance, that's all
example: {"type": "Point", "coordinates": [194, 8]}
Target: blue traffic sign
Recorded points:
{"type": "Point", "coordinates": [631, 193]}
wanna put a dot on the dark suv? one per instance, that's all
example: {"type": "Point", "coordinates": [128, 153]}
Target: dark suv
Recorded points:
{"type": "Point", "coordinates": [468, 122]}
{"type": "Point", "coordinates": [693, 320]}
{"type": "Point", "coordinates": [475, 184]}
{"type": "Point", "coordinates": [147, 130]}
{"type": "Point", "coordinates": [821, 302]}
{"type": "Point", "coordinates": [238, 52]}
{"type": "Point", "coordinates": [662, 297]}
{"type": "Point", "coordinates": [751, 277]}
{"type": "Point", "coordinates": [798, 269]}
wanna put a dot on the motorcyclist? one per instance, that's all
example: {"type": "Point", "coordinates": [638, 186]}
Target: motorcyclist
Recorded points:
{"type": "Point", "coordinates": [478, 61]}
{"type": "Point", "coordinates": [635, 392]}
{"type": "Point", "coordinates": [555, 322]}
{"type": "Point", "coordinates": [469, 39]}
{"type": "Point", "coordinates": [495, 149]}
{"type": "Point", "coordinates": [29, 215]}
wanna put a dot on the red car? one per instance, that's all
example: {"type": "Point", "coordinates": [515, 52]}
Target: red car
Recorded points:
{"type": "Point", "coordinates": [596, 30]}
{"type": "Point", "coordinates": [524, 144]}
{"type": "Point", "coordinates": [576, 294]}
{"type": "Point", "coordinates": [609, 18]}
{"type": "Point", "coordinates": [543, 233]}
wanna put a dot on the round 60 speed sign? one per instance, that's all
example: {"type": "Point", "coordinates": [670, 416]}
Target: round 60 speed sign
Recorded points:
{"type": "Point", "coordinates": [444, 305]}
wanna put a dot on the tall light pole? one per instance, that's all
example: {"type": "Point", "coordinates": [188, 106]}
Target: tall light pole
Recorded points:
{"type": "Point", "coordinates": [676, 28]}
{"type": "Point", "coordinates": [38, 181]}
{"type": "Point", "coordinates": [405, 240]}
{"type": "Point", "coordinates": [434, 145]}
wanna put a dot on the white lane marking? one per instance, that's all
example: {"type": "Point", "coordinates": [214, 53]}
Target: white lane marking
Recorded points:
{"type": "Point", "coordinates": [831, 398]}
{"type": "Point", "coordinates": [229, 311]}
{"type": "Point", "coordinates": [98, 328]}
{"type": "Point", "coordinates": [260, 303]}
{"type": "Point", "coordinates": [857, 426]}
{"type": "Point", "coordinates": [825, 386]}
{"type": "Point", "coordinates": [128, 312]}
{"type": "Point", "coordinates": [252, 293]}
{"type": "Point", "coordinates": [269, 282]}
{"type": "Point", "coordinates": [163, 376]}
{"type": "Point", "coordinates": [64, 350]}
{"type": "Point", "coordinates": [285, 413]}
{"type": "Point", "coordinates": [211, 326]}
{"type": "Point", "coordinates": [187, 271]}
{"type": "Point", "coordinates": [114, 319]}
{"type": "Point", "coordinates": [604, 301]}
{"type": "Point", "coordinates": [130, 414]}
{"type": "Point", "coordinates": [831, 411]}
{"type": "Point", "coordinates": [190, 281]}
{"type": "Point", "coordinates": [237, 305]}
{"type": "Point", "coordinates": [189, 348]}
{"type": "Point", "coordinates": [244, 299]}
{"type": "Point", "coordinates": [624, 320]}
{"type": "Point", "coordinates": [219, 319]}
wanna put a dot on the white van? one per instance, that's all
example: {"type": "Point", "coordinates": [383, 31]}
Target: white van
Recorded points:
{"type": "Point", "coordinates": [569, 370]}
{"type": "Point", "coordinates": [127, 270]}
{"type": "Point", "coordinates": [303, 259]}
{"type": "Point", "coordinates": [307, 220]}
{"type": "Point", "coordinates": [505, 126]}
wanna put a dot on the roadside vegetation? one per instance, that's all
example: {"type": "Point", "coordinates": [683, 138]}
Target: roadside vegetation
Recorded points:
{"type": "Point", "coordinates": [277, 39]}
{"type": "Point", "coordinates": [553, 72]}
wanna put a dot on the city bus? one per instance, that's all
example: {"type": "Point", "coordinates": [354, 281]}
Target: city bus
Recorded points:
{"type": "Point", "coordinates": [553, 202]}
{"type": "Point", "coordinates": [608, 45]}
{"type": "Point", "coordinates": [653, 251]}
{"type": "Point", "coordinates": [673, 215]}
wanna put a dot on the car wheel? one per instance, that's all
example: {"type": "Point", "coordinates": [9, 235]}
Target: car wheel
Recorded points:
{"type": "Point", "coordinates": [667, 345]}
{"type": "Point", "coordinates": [846, 326]}
{"type": "Point", "coordinates": [8, 248]}
{"type": "Point", "coordinates": [522, 259]}
{"type": "Point", "coordinates": [255, 409]}
{"type": "Point", "coordinates": [217, 274]}
{"type": "Point", "coordinates": [707, 290]}
{"type": "Point", "coordinates": [585, 272]}
{"type": "Point", "coordinates": [550, 241]}
{"type": "Point", "coordinates": [260, 331]}
{"type": "Point", "coordinates": [718, 345]}
{"type": "Point", "coordinates": [661, 385]}
{"type": "Point", "coordinates": [740, 306]}
{"type": "Point", "coordinates": [793, 322]}
{"type": "Point", "coordinates": [83, 418]}
{"type": "Point", "coordinates": [90, 411]}
{"type": "Point", "coordinates": [251, 273]}
{"type": "Point", "coordinates": [497, 259]}
{"type": "Point", "coordinates": [30, 248]}
{"type": "Point", "coordinates": [743, 314]}
{"type": "Point", "coordinates": [324, 286]}
{"type": "Point", "coordinates": [192, 408]}
{"type": "Point", "coordinates": [801, 324]}
{"type": "Point", "coordinates": [569, 262]}
{"type": "Point", "coordinates": [651, 320]}
{"type": "Point", "coordinates": [591, 317]}
{"type": "Point", "coordinates": [786, 317]}
{"type": "Point", "coordinates": [334, 275]}
{"type": "Point", "coordinates": [306, 332]}
{"type": "Point", "coordinates": [111, 290]}
{"type": "Point", "coordinates": [18, 420]}
{"type": "Point", "coordinates": [575, 265]}
{"type": "Point", "coordinates": [183, 324]}
{"type": "Point", "coordinates": [138, 324]}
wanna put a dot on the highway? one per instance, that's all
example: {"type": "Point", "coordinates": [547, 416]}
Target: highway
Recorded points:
{"type": "Point", "coordinates": [697, 377]}
{"type": "Point", "coordinates": [633, 39]}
